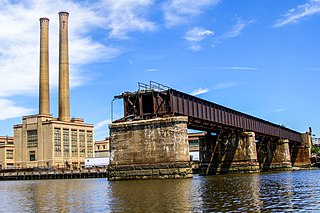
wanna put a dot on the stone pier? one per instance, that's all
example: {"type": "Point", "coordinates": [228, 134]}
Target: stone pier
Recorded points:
{"type": "Point", "coordinates": [274, 155]}
{"type": "Point", "coordinates": [301, 153]}
{"type": "Point", "coordinates": [228, 153]}
{"type": "Point", "coordinates": [150, 149]}
{"type": "Point", "coordinates": [281, 160]}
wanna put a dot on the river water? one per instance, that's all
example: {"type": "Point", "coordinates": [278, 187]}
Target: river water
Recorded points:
{"type": "Point", "coordinates": [267, 192]}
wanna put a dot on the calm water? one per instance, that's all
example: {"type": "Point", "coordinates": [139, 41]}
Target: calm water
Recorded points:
{"type": "Point", "coordinates": [270, 192]}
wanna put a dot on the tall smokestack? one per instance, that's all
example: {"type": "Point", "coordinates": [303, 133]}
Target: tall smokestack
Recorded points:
{"type": "Point", "coordinates": [64, 99]}
{"type": "Point", "coordinates": [44, 98]}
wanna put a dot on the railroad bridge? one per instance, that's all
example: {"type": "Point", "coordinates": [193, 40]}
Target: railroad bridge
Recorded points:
{"type": "Point", "coordinates": [150, 141]}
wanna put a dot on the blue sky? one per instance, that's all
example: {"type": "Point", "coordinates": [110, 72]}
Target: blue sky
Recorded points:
{"type": "Point", "coordinates": [257, 57]}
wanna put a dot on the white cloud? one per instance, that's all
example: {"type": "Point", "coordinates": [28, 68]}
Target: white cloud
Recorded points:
{"type": "Point", "coordinates": [195, 36]}
{"type": "Point", "coordinates": [178, 12]}
{"type": "Point", "coordinates": [235, 31]}
{"type": "Point", "coordinates": [9, 110]}
{"type": "Point", "coordinates": [101, 124]}
{"type": "Point", "coordinates": [224, 85]}
{"type": "Point", "coordinates": [199, 91]}
{"type": "Point", "coordinates": [301, 11]}
{"type": "Point", "coordinates": [19, 46]}
{"type": "Point", "coordinates": [126, 16]}
{"type": "Point", "coordinates": [280, 109]}
{"type": "Point", "coordinates": [152, 70]}
{"type": "Point", "coordinates": [195, 47]}
{"type": "Point", "coordinates": [236, 68]}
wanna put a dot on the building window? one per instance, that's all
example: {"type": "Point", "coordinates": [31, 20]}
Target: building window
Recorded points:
{"type": "Point", "coordinates": [89, 144]}
{"type": "Point", "coordinates": [32, 138]}
{"type": "Point", "coordinates": [66, 145]}
{"type": "Point", "coordinates": [74, 143]}
{"type": "Point", "coordinates": [32, 155]}
{"type": "Point", "coordinates": [82, 144]}
{"type": "Point", "coordinates": [193, 143]}
{"type": "Point", "coordinates": [57, 142]}
{"type": "Point", "coordinates": [9, 154]}
{"type": "Point", "coordinates": [10, 166]}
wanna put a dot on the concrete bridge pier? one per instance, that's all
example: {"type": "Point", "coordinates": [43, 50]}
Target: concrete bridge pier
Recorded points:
{"type": "Point", "coordinates": [228, 153]}
{"type": "Point", "coordinates": [150, 149]}
{"type": "Point", "coordinates": [274, 155]}
{"type": "Point", "coordinates": [301, 153]}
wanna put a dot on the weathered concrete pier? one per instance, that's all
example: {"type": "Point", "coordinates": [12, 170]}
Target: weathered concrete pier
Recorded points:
{"type": "Point", "coordinates": [150, 149]}
{"type": "Point", "coordinates": [150, 141]}
{"type": "Point", "coordinates": [229, 153]}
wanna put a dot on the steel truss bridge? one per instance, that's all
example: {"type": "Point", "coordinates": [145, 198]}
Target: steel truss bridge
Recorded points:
{"type": "Point", "coordinates": [156, 100]}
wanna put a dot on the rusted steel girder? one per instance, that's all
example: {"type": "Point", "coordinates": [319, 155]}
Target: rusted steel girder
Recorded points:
{"type": "Point", "coordinates": [202, 114]}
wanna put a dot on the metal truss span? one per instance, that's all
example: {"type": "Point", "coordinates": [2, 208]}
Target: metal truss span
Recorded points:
{"type": "Point", "coordinates": [156, 100]}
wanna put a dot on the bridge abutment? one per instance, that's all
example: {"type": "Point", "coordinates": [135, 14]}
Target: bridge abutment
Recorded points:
{"type": "Point", "coordinates": [150, 149]}
{"type": "Point", "coordinates": [229, 153]}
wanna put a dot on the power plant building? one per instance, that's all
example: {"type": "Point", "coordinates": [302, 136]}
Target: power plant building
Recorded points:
{"type": "Point", "coordinates": [6, 152]}
{"type": "Point", "coordinates": [44, 141]}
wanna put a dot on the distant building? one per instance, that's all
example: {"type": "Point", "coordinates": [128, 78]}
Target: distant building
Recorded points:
{"type": "Point", "coordinates": [316, 141]}
{"type": "Point", "coordinates": [102, 148]}
{"type": "Point", "coordinates": [43, 141]}
{"type": "Point", "coordinates": [6, 152]}
{"type": "Point", "coordinates": [194, 141]}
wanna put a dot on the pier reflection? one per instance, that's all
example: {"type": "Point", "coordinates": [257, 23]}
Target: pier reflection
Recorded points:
{"type": "Point", "coordinates": [152, 195]}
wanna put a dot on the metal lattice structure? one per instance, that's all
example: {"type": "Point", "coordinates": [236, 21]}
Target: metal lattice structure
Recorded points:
{"type": "Point", "coordinates": [156, 100]}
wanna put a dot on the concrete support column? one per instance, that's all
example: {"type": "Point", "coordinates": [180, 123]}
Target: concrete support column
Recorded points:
{"type": "Point", "coordinates": [44, 99]}
{"type": "Point", "coordinates": [150, 149]}
{"type": "Point", "coordinates": [281, 159]}
{"type": "Point", "coordinates": [245, 158]}
{"type": "Point", "coordinates": [301, 153]}
{"type": "Point", "coordinates": [229, 153]}
{"type": "Point", "coordinates": [64, 98]}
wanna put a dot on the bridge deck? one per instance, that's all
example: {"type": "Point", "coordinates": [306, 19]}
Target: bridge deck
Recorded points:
{"type": "Point", "coordinates": [202, 114]}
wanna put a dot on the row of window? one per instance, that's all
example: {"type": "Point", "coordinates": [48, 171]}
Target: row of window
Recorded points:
{"type": "Point", "coordinates": [9, 153]}
{"type": "Point", "coordinates": [75, 148]}
{"type": "Point", "coordinates": [103, 147]}
{"type": "Point", "coordinates": [32, 141]}
{"type": "Point", "coordinates": [32, 138]}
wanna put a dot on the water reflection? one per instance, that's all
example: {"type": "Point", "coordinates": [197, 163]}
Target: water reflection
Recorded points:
{"type": "Point", "coordinates": [230, 192]}
{"type": "Point", "coordinates": [286, 191]}
{"type": "Point", "coordinates": [152, 195]}
{"type": "Point", "coordinates": [54, 195]}
{"type": "Point", "coordinates": [291, 191]}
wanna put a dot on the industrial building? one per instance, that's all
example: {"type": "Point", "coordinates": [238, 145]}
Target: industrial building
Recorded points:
{"type": "Point", "coordinates": [42, 140]}
{"type": "Point", "coordinates": [6, 152]}
{"type": "Point", "coordinates": [102, 148]}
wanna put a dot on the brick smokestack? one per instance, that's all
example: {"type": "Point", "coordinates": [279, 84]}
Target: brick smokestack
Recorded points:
{"type": "Point", "coordinates": [44, 97]}
{"type": "Point", "coordinates": [64, 97]}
